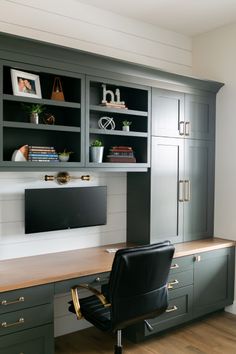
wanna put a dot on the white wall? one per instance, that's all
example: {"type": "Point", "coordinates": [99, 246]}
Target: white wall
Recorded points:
{"type": "Point", "coordinates": [214, 56]}
{"type": "Point", "coordinates": [76, 25]}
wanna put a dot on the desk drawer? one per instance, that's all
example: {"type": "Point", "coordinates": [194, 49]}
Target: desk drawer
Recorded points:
{"type": "Point", "coordinates": [26, 318]}
{"type": "Point", "coordinates": [180, 264]}
{"type": "Point", "coordinates": [38, 340]}
{"type": "Point", "coordinates": [178, 311]}
{"type": "Point", "coordinates": [23, 298]}
{"type": "Point", "coordinates": [178, 280]}
{"type": "Point", "coordinates": [94, 280]}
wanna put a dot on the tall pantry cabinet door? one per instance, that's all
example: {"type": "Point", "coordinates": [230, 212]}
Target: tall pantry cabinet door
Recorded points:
{"type": "Point", "coordinates": [167, 189]}
{"type": "Point", "coordinates": [199, 115]}
{"type": "Point", "coordinates": [199, 190]}
{"type": "Point", "coordinates": [167, 113]}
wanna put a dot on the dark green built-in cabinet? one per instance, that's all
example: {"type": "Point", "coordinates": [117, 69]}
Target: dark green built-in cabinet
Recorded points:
{"type": "Point", "coordinates": [177, 203]}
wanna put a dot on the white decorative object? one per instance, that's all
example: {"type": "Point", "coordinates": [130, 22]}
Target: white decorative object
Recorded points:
{"type": "Point", "coordinates": [125, 128]}
{"type": "Point", "coordinates": [112, 101]}
{"type": "Point", "coordinates": [106, 123]}
{"type": "Point", "coordinates": [20, 154]}
{"type": "Point", "coordinates": [97, 154]}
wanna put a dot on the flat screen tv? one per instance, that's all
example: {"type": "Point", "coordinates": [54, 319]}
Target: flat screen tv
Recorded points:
{"type": "Point", "coordinates": [64, 208]}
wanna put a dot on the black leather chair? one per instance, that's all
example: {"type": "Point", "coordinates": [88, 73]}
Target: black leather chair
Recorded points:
{"type": "Point", "coordinates": [137, 290]}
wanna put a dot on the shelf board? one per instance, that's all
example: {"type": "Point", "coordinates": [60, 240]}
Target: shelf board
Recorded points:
{"type": "Point", "coordinates": [118, 132]}
{"type": "Point", "coordinates": [21, 125]}
{"type": "Point", "coordinates": [41, 101]}
{"type": "Point", "coordinates": [118, 110]}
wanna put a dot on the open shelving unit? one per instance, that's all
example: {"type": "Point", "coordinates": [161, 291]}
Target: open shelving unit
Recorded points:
{"type": "Point", "coordinates": [136, 99]}
{"type": "Point", "coordinates": [65, 133]}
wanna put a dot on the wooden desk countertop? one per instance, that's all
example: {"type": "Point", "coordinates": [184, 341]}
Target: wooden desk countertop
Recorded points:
{"type": "Point", "coordinates": [49, 268]}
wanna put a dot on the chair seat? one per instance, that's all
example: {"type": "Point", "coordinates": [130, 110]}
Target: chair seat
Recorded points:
{"type": "Point", "coordinates": [94, 312]}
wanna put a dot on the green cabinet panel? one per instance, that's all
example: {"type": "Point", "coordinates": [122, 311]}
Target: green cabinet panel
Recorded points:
{"type": "Point", "coordinates": [167, 113]}
{"type": "Point", "coordinates": [167, 169]}
{"type": "Point", "coordinates": [39, 340]}
{"type": "Point", "coordinates": [199, 189]}
{"type": "Point", "coordinates": [213, 281]}
{"type": "Point", "coordinates": [200, 116]}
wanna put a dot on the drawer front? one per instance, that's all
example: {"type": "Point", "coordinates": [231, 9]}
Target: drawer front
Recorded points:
{"type": "Point", "coordinates": [23, 298]}
{"type": "Point", "coordinates": [178, 280]}
{"type": "Point", "coordinates": [180, 264]}
{"type": "Point", "coordinates": [26, 318]}
{"type": "Point", "coordinates": [178, 311]}
{"type": "Point", "coordinates": [38, 340]}
{"type": "Point", "coordinates": [94, 280]}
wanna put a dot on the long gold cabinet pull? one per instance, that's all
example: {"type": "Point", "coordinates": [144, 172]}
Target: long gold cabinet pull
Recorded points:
{"type": "Point", "coordinates": [19, 322]}
{"type": "Point", "coordinates": [181, 191]}
{"type": "Point", "coordinates": [172, 283]}
{"type": "Point", "coordinates": [172, 309]}
{"type": "Point", "coordinates": [187, 190]}
{"type": "Point", "coordinates": [174, 266]}
{"type": "Point", "coordinates": [6, 303]}
{"type": "Point", "coordinates": [187, 129]}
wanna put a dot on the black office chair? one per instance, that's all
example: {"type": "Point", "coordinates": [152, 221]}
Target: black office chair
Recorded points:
{"type": "Point", "coordinates": [137, 290]}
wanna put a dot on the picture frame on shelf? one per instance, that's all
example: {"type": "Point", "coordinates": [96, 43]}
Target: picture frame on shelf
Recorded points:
{"type": "Point", "coordinates": [25, 84]}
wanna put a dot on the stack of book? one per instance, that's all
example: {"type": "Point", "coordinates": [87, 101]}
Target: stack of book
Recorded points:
{"type": "Point", "coordinates": [121, 154]}
{"type": "Point", "coordinates": [42, 154]}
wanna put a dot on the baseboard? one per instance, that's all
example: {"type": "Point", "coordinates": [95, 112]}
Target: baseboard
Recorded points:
{"type": "Point", "coordinates": [231, 308]}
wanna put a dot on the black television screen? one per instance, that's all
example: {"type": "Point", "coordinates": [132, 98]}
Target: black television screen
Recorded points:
{"type": "Point", "coordinates": [64, 208]}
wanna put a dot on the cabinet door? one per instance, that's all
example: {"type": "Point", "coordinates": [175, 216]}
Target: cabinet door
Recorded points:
{"type": "Point", "coordinates": [167, 113]}
{"type": "Point", "coordinates": [199, 116]}
{"type": "Point", "coordinates": [167, 170]}
{"type": "Point", "coordinates": [199, 189]}
{"type": "Point", "coordinates": [213, 280]}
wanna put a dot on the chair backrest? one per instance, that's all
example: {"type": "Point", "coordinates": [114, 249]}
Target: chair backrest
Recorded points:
{"type": "Point", "coordinates": [138, 283]}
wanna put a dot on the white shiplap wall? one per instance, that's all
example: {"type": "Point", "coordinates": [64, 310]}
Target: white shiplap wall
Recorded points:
{"type": "Point", "coordinates": [80, 26]}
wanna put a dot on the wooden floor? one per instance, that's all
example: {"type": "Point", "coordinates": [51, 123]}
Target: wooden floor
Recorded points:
{"type": "Point", "coordinates": [215, 334]}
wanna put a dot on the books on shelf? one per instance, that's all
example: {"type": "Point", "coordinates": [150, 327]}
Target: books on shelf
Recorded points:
{"type": "Point", "coordinates": [42, 154]}
{"type": "Point", "coordinates": [113, 105]}
{"type": "Point", "coordinates": [121, 154]}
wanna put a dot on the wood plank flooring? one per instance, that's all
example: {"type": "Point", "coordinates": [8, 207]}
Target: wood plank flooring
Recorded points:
{"type": "Point", "coordinates": [215, 334]}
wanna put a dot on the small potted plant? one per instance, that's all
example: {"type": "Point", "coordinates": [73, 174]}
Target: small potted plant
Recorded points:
{"type": "Point", "coordinates": [96, 149]}
{"type": "Point", "coordinates": [126, 125]}
{"type": "Point", "coordinates": [34, 110]}
{"type": "Point", "coordinates": [65, 155]}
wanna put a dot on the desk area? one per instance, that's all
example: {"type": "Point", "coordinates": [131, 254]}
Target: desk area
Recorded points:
{"type": "Point", "coordinates": [28, 286]}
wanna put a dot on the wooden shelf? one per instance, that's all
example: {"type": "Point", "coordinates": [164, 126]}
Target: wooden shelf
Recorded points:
{"type": "Point", "coordinates": [118, 132]}
{"type": "Point", "coordinates": [42, 101]}
{"type": "Point", "coordinates": [118, 110]}
{"type": "Point", "coordinates": [21, 125]}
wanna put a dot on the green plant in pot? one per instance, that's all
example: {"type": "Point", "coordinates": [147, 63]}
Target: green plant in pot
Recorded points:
{"type": "Point", "coordinates": [34, 111]}
{"type": "Point", "coordinates": [96, 150]}
{"type": "Point", "coordinates": [65, 155]}
{"type": "Point", "coordinates": [126, 125]}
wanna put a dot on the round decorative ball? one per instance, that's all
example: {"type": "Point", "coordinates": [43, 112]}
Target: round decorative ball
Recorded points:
{"type": "Point", "coordinates": [106, 123]}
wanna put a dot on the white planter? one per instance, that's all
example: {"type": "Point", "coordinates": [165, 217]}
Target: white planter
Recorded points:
{"type": "Point", "coordinates": [125, 128]}
{"type": "Point", "coordinates": [34, 118]}
{"type": "Point", "coordinates": [97, 154]}
{"type": "Point", "coordinates": [64, 158]}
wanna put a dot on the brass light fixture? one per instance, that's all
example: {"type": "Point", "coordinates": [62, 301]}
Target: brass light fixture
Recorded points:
{"type": "Point", "coordinates": [65, 177]}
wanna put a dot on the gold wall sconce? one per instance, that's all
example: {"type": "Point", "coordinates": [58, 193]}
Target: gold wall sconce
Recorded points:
{"type": "Point", "coordinates": [65, 177]}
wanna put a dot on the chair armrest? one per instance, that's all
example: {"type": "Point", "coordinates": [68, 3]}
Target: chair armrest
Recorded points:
{"type": "Point", "coordinates": [75, 298]}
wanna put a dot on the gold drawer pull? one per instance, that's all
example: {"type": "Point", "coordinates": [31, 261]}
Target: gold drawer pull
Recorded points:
{"type": "Point", "coordinates": [5, 302]}
{"type": "Point", "coordinates": [172, 283]}
{"type": "Point", "coordinates": [6, 325]}
{"type": "Point", "coordinates": [174, 266]}
{"type": "Point", "coordinates": [172, 309]}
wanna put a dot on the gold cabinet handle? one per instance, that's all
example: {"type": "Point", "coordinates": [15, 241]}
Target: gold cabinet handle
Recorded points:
{"type": "Point", "coordinates": [172, 309]}
{"type": "Point", "coordinates": [197, 258]}
{"type": "Point", "coordinates": [6, 303]}
{"type": "Point", "coordinates": [174, 266]}
{"type": "Point", "coordinates": [187, 129]}
{"type": "Point", "coordinates": [172, 283]}
{"type": "Point", "coordinates": [187, 190]}
{"type": "Point", "coordinates": [181, 191]}
{"type": "Point", "coordinates": [181, 127]}
{"type": "Point", "coordinates": [6, 325]}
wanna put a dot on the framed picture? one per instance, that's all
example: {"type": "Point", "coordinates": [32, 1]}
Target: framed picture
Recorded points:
{"type": "Point", "coordinates": [25, 84]}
